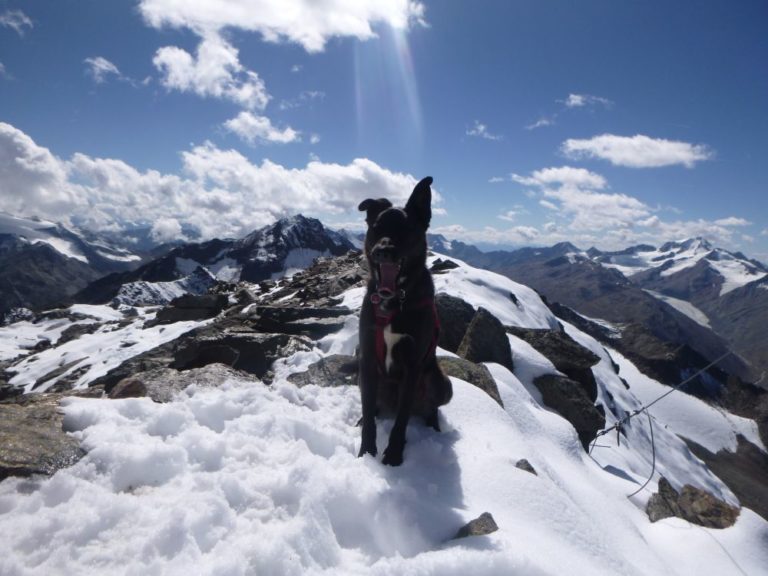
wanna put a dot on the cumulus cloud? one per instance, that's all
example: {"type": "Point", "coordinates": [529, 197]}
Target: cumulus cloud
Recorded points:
{"type": "Point", "coordinates": [17, 20]}
{"type": "Point", "coordinates": [100, 69]}
{"type": "Point", "coordinates": [480, 130]}
{"type": "Point", "coordinates": [259, 129]}
{"type": "Point", "coordinates": [166, 229]}
{"type": "Point", "coordinates": [563, 175]}
{"type": "Point", "coordinates": [637, 151]}
{"type": "Point", "coordinates": [214, 71]}
{"type": "Point", "coordinates": [305, 22]}
{"type": "Point", "coordinates": [219, 192]}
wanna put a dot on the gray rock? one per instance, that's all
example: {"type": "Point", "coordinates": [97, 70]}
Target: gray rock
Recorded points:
{"type": "Point", "coordinates": [523, 464]}
{"type": "Point", "coordinates": [476, 374]}
{"type": "Point", "coordinates": [334, 370]}
{"type": "Point", "coordinates": [486, 341]}
{"type": "Point", "coordinates": [192, 307]}
{"type": "Point", "coordinates": [440, 266]}
{"type": "Point", "coordinates": [455, 315]}
{"type": "Point", "coordinates": [569, 357]}
{"type": "Point", "coordinates": [480, 526]}
{"type": "Point", "coordinates": [163, 384]}
{"type": "Point", "coordinates": [250, 352]}
{"type": "Point", "coordinates": [692, 504]}
{"type": "Point", "coordinates": [568, 398]}
{"type": "Point", "coordinates": [32, 440]}
{"type": "Point", "coordinates": [702, 508]}
{"type": "Point", "coordinates": [75, 331]}
{"type": "Point", "coordinates": [663, 504]}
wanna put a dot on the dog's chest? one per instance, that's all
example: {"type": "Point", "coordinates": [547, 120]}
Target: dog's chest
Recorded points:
{"type": "Point", "coordinates": [390, 341]}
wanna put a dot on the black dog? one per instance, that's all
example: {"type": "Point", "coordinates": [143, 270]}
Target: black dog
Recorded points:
{"type": "Point", "coordinates": [399, 327]}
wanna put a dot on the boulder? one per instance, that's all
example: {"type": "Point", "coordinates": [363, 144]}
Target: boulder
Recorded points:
{"type": "Point", "coordinates": [32, 440]}
{"type": "Point", "coordinates": [163, 384]}
{"type": "Point", "coordinates": [568, 398]}
{"type": "Point", "coordinates": [455, 315]}
{"type": "Point", "coordinates": [476, 374]}
{"type": "Point", "coordinates": [480, 526]}
{"type": "Point", "coordinates": [526, 466]}
{"type": "Point", "coordinates": [692, 504]}
{"type": "Point", "coordinates": [334, 370]}
{"type": "Point", "coordinates": [486, 341]}
{"type": "Point", "coordinates": [440, 266]}
{"type": "Point", "coordinates": [569, 357]}
{"type": "Point", "coordinates": [192, 307]}
{"type": "Point", "coordinates": [312, 322]}
{"type": "Point", "coordinates": [250, 352]}
{"type": "Point", "coordinates": [76, 330]}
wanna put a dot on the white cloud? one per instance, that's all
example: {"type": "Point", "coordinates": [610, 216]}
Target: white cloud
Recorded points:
{"type": "Point", "coordinates": [582, 100]}
{"type": "Point", "coordinates": [296, 68]}
{"type": "Point", "coordinates": [563, 175]}
{"type": "Point", "coordinates": [549, 205]}
{"type": "Point", "coordinates": [214, 71]}
{"type": "Point", "coordinates": [481, 131]}
{"type": "Point", "coordinates": [303, 99]}
{"type": "Point", "coordinates": [637, 151]}
{"type": "Point", "coordinates": [3, 73]}
{"type": "Point", "coordinates": [259, 129]}
{"type": "Point", "coordinates": [305, 22]}
{"type": "Point", "coordinates": [166, 229]}
{"type": "Point", "coordinates": [219, 192]}
{"type": "Point", "coordinates": [314, 138]}
{"type": "Point", "coordinates": [509, 215]}
{"type": "Point", "coordinates": [496, 180]}
{"type": "Point", "coordinates": [764, 232]}
{"type": "Point", "coordinates": [100, 69]}
{"type": "Point", "coordinates": [15, 19]}
{"type": "Point", "coordinates": [542, 122]}
{"type": "Point", "coordinates": [733, 221]}
{"type": "Point", "coordinates": [31, 176]}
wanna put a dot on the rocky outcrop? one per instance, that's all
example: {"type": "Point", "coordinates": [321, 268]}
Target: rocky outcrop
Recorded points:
{"type": "Point", "coordinates": [455, 316]}
{"type": "Point", "coordinates": [692, 504]}
{"type": "Point", "coordinates": [568, 357]}
{"type": "Point", "coordinates": [524, 465]}
{"type": "Point", "coordinates": [32, 440]}
{"type": "Point", "coordinates": [476, 374]}
{"type": "Point", "coordinates": [163, 384]}
{"type": "Point", "coordinates": [486, 341]}
{"type": "Point", "coordinates": [331, 371]}
{"type": "Point", "coordinates": [569, 399]}
{"type": "Point", "coordinates": [744, 471]}
{"type": "Point", "coordinates": [192, 307]}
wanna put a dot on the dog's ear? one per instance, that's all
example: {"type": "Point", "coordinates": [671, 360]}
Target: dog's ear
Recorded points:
{"type": "Point", "coordinates": [373, 208]}
{"type": "Point", "coordinates": [419, 205]}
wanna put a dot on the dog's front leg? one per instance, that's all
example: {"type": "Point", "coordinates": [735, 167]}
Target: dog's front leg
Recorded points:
{"type": "Point", "coordinates": [405, 356]}
{"type": "Point", "coordinates": [368, 375]}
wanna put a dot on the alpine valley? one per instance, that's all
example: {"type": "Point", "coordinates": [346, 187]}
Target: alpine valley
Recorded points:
{"type": "Point", "coordinates": [191, 407]}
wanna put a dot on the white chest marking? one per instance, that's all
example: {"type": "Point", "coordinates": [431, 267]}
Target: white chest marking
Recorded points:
{"type": "Point", "coordinates": [390, 339]}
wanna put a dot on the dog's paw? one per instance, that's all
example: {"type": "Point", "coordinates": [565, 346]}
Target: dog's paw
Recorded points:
{"type": "Point", "coordinates": [367, 450]}
{"type": "Point", "coordinates": [392, 457]}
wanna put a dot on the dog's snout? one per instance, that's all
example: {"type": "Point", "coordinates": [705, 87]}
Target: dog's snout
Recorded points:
{"type": "Point", "coordinates": [384, 251]}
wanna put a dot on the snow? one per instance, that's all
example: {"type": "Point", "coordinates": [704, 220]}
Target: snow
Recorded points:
{"type": "Point", "coordinates": [684, 307]}
{"type": "Point", "coordinates": [686, 254]}
{"type": "Point", "coordinates": [735, 274]}
{"type": "Point", "coordinates": [143, 293]}
{"type": "Point", "coordinates": [688, 416]}
{"type": "Point", "coordinates": [91, 355]}
{"type": "Point", "coordinates": [250, 479]}
{"type": "Point", "coordinates": [298, 259]}
{"type": "Point", "coordinates": [38, 231]}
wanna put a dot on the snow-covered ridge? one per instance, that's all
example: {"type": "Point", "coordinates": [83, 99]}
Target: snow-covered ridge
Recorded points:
{"type": "Point", "coordinates": [250, 479]}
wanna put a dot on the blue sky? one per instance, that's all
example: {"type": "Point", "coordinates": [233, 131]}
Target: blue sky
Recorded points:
{"type": "Point", "coordinates": [601, 122]}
